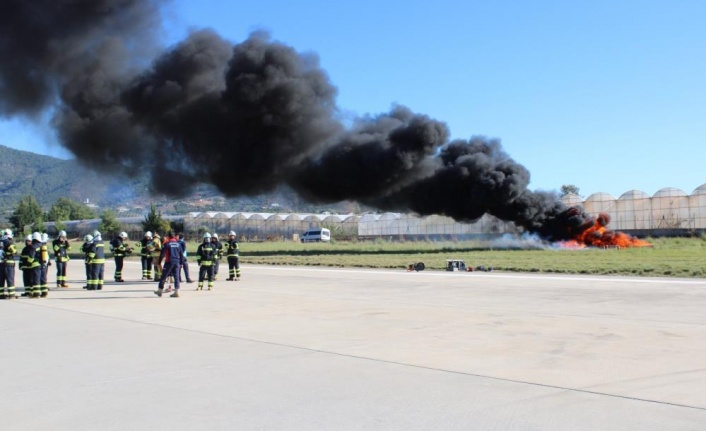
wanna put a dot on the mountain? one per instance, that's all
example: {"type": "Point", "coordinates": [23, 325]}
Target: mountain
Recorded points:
{"type": "Point", "coordinates": [48, 178]}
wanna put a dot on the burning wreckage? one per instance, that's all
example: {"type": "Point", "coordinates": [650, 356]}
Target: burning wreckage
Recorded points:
{"type": "Point", "coordinates": [206, 103]}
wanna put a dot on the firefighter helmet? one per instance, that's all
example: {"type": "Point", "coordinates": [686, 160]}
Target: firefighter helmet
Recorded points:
{"type": "Point", "coordinates": [28, 238]}
{"type": "Point", "coordinates": [8, 233]}
{"type": "Point", "coordinates": [89, 238]}
{"type": "Point", "coordinates": [207, 236]}
{"type": "Point", "coordinates": [215, 235]}
{"type": "Point", "coordinates": [148, 234]}
{"type": "Point", "coordinates": [231, 233]}
{"type": "Point", "coordinates": [96, 234]}
{"type": "Point", "coordinates": [62, 233]}
{"type": "Point", "coordinates": [123, 235]}
{"type": "Point", "coordinates": [45, 237]}
{"type": "Point", "coordinates": [36, 236]}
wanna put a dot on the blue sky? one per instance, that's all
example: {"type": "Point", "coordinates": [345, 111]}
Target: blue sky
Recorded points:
{"type": "Point", "coordinates": [606, 95]}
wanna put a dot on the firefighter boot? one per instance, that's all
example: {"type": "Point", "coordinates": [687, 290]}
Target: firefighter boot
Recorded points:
{"type": "Point", "coordinates": [158, 292]}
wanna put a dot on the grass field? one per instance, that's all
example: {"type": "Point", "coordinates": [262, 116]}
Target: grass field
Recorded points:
{"type": "Point", "coordinates": [674, 257]}
{"type": "Point", "coordinates": [669, 257]}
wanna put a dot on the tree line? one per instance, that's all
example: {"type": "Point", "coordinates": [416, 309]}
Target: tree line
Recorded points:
{"type": "Point", "coordinates": [28, 216]}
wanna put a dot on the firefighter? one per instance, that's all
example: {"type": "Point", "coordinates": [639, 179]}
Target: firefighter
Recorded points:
{"type": "Point", "coordinates": [30, 266]}
{"type": "Point", "coordinates": [120, 249]}
{"type": "Point", "coordinates": [44, 264]}
{"type": "Point", "coordinates": [146, 249]}
{"type": "Point", "coordinates": [96, 258]}
{"type": "Point", "coordinates": [7, 266]}
{"type": "Point", "coordinates": [218, 253]}
{"type": "Point", "coordinates": [233, 256]}
{"type": "Point", "coordinates": [205, 255]}
{"type": "Point", "coordinates": [3, 295]}
{"type": "Point", "coordinates": [172, 257]}
{"type": "Point", "coordinates": [184, 261]}
{"type": "Point", "coordinates": [85, 248]}
{"type": "Point", "coordinates": [156, 253]}
{"type": "Point", "coordinates": [61, 249]}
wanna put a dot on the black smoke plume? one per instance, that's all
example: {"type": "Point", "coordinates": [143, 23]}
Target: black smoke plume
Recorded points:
{"type": "Point", "coordinates": [246, 117]}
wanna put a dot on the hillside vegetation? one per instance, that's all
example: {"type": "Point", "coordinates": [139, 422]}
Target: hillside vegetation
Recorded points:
{"type": "Point", "coordinates": [48, 179]}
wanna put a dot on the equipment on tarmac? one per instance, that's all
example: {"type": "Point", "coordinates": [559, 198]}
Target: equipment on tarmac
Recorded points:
{"type": "Point", "coordinates": [419, 266]}
{"type": "Point", "coordinates": [457, 265]}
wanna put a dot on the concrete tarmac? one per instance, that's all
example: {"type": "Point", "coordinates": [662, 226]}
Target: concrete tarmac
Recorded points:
{"type": "Point", "coordinates": [292, 348]}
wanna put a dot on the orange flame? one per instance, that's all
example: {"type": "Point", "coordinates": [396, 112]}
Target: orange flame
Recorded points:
{"type": "Point", "coordinates": [598, 235]}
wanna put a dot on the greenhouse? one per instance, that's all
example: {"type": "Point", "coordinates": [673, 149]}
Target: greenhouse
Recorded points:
{"type": "Point", "coordinates": [670, 211]}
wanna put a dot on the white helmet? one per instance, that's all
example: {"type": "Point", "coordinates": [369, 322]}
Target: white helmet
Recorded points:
{"type": "Point", "coordinates": [207, 236]}
{"type": "Point", "coordinates": [28, 238]}
{"type": "Point", "coordinates": [36, 236]}
{"type": "Point", "coordinates": [89, 238]}
{"type": "Point", "coordinates": [8, 233]}
{"type": "Point", "coordinates": [231, 233]}
{"type": "Point", "coordinates": [45, 237]}
{"type": "Point", "coordinates": [96, 234]}
{"type": "Point", "coordinates": [148, 234]}
{"type": "Point", "coordinates": [62, 233]}
{"type": "Point", "coordinates": [215, 235]}
{"type": "Point", "coordinates": [123, 235]}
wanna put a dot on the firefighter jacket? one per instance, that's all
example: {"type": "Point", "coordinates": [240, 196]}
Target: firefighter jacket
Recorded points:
{"type": "Point", "coordinates": [171, 252]}
{"type": "Point", "coordinates": [146, 247]}
{"type": "Point", "coordinates": [96, 252]}
{"type": "Point", "coordinates": [157, 243]}
{"type": "Point", "coordinates": [29, 258]}
{"type": "Point", "coordinates": [119, 248]}
{"type": "Point", "coordinates": [10, 251]}
{"type": "Point", "coordinates": [232, 248]}
{"type": "Point", "coordinates": [61, 250]}
{"type": "Point", "coordinates": [217, 249]}
{"type": "Point", "coordinates": [85, 248]}
{"type": "Point", "coordinates": [206, 254]}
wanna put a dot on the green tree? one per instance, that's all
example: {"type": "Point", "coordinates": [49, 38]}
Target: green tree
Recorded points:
{"type": "Point", "coordinates": [109, 223]}
{"type": "Point", "coordinates": [567, 189]}
{"type": "Point", "coordinates": [27, 212]}
{"type": "Point", "coordinates": [60, 226]}
{"type": "Point", "coordinates": [68, 209]}
{"type": "Point", "coordinates": [154, 221]}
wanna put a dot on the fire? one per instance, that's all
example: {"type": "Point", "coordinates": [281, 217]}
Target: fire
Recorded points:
{"type": "Point", "coordinates": [598, 235]}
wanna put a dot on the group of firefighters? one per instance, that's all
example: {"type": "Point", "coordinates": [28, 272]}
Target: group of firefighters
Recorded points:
{"type": "Point", "coordinates": [168, 258]}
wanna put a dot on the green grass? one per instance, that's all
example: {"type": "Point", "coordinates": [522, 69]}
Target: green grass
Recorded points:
{"type": "Point", "coordinates": [673, 257]}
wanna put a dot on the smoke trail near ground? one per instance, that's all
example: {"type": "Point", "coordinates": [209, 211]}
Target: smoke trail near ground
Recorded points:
{"type": "Point", "coordinates": [246, 117]}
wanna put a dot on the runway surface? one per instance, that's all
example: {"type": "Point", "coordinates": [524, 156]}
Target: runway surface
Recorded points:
{"type": "Point", "coordinates": [293, 348]}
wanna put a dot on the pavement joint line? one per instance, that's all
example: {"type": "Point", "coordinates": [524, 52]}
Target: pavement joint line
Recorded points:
{"type": "Point", "coordinates": [403, 272]}
{"type": "Point", "coordinates": [378, 360]}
